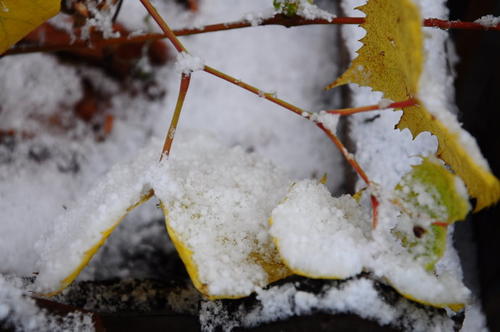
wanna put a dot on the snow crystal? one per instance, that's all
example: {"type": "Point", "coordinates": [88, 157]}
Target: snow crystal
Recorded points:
{"type": "Point", "coordinates": [187, 63]}
{"type": "Point", "coordinates": [488, 21]}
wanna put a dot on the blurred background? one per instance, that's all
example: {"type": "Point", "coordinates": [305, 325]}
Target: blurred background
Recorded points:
{"type": "Point", "coordinates": [477, 96]}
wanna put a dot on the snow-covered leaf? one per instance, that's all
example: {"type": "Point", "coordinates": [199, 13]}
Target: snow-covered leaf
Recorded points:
{"type": "Point", "coordinates": [216, 202]}
{"type": "Point", "coordinates": [319, 236]}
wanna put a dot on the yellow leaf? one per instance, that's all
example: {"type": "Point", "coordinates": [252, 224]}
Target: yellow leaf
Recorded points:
{"type": "Point", "coordinates": [20, 17]}
{"type": "Point", "coordinates": [87, 256]}
{"type": "Point", "coordinates": [481, 184]}
{"type": "Point", "coordinates": [391, 61]}
{"type": "Point", "coordinates": [268, 259]}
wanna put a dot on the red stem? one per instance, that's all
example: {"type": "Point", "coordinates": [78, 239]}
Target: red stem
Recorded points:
{"type": "Point", "coordinates": [260, 93]}
{"type": "Point", "coordinates": [446, 25]}
{"type": "Point", "coordinates": [183, 89]}
{"type": "Point", "coordinates": [278, 19]}
{"type": "Point", "coordinates": [375, 204]}
{"type": "Point", "coordinates": [164, 26]}
{"type": "Point", "coordinates": [353, 110]}
{"type": "Point", "coordinates": [297, 111]}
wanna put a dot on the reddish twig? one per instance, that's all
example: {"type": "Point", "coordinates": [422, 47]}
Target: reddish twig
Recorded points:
{"type": "Point", "coordinates": [278, 19]}
{"type": "Point", "coordinates": [440, 224]}
{"type": "Point", "coordinates": [183, 89]}
{"type": "Point", "coordinates": [354, 110]}
{"type": "Point", "coordinates": [163, 26]}
{"type": "Point", "coordinates": [375, 204]}
{"type": "Point", "coordinates": [446, 25]}
{"type": "Point", "coordinates": [348, 156]}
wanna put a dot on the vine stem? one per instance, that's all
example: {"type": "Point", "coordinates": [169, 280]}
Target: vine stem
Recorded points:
{"type": "Point", "coordinates": [297, 110]}
{"type": "Point", "coordinates": [183, 89]}
{"type": "Point", "coordinates": [185, 78]}
{"type": "Point", "coordinates": [353, 110]}
{"type": "Point", "coordinates": [278, 19]}
{"type": "Point", "coordinates": [163, 26]}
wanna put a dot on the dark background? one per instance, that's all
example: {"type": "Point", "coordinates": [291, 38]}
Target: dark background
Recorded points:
{"type": "Point", "coordinates": [478, 96]}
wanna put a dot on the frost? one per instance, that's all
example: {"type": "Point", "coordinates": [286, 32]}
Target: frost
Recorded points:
{"type": "Point", "coordinates": [187, 63]}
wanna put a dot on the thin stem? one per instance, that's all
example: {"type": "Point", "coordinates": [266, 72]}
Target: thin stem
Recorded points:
{"type": "Point", "coordinates": [375, 204]}
{"type": "Point", "coordinates": [260, 93]}
{"type": "Point", "coordinates": [446, 25]}
{"type": "Point", "coordinates": [183, 89]}
{"type": "Point", "coordinates": [296, 110]}
{"type": "Point", "coordinates": [277, 19]}
{"type": "Point", "coordinates": [164, 26]}
{"type": "Point", "coordinates": [348, 156]}
{"type": "Point", "coordinates": [354, 110]}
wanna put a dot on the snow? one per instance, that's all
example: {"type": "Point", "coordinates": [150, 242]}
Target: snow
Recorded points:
{"type": "Point", "coordinates": [218, 202]}
{"type": "Point", "coordinates": [330, 121]}
{"type": "Point", "coordinates": [187, 63]}
{"type": "Point", "coordinates": [361, 296]}
{"type": "Point", "coordinates": [20, 312]}
{"type": "Point", "coordinates": [313, 232]}
{"type": "Point", "coordinates": [219, 207]}
{"type": "Point", "coordinates": [38, 87]}
{"type": "Point", "coordinates": [101, 19]}
{"type": "Point", "coordinates": [311, 12]}
{"type": "Point", "coordinates": [488, 21]}
{"type": "Point", "coordinates": [324, 237]}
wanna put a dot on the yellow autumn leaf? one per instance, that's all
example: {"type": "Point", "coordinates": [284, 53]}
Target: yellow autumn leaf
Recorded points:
{"type": "Point", "coordinates": [20, 17]}
{"type": "Point", "coordinates": [87, 256]}
{"type": "Point", "coordinates": [271, 263]}
{"type": "Point", "coordinates": [391, 61]}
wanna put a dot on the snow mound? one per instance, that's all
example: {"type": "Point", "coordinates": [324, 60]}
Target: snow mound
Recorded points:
{"type": "Point", "coordinates": [320, 236]}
